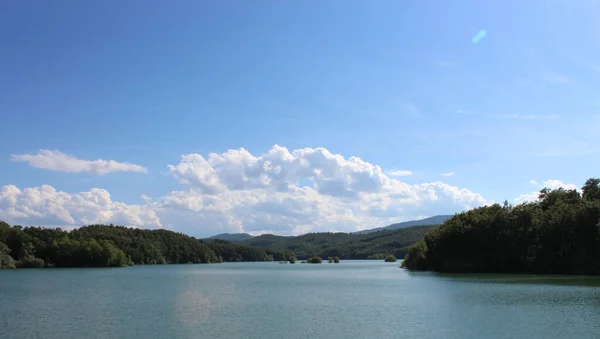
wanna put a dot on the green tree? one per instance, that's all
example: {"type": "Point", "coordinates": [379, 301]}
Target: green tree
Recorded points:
{"type": "Point", "coordinates": [336, 260]}
{"type": "Point", "coordinates": [416, 257]}
{"type": "Point", "coordinates": [591, 189]}
{"type": "Point", "coordinates": [558, 234]}
{"type": "Point", "coordinates": [6, 261]}
{"type": "Point", "coordinates": [315, 260]}
{"type": "Point", "coordinates": [390, 258]}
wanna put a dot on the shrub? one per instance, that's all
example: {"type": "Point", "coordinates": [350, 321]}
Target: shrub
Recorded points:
{"type": "Point", "coordinates": [315, 260]}
{"type": "Point", "coordinates": [30, 262]}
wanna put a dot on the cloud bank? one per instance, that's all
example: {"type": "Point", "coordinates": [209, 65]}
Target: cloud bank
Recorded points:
{"type": "Point", "coordinates": [45, 205]}
{"type": "Point", "coordinates": [280, 191]}
{"type": "Point", "coordinates": [61, 162]}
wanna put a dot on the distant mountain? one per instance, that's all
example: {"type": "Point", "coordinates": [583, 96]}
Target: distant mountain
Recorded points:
{"type": "Point", "coordinates": [375, 245]}
{"type": "Point", "coordinates": [232, 236]}
{"type": "Point", "coordinates": [239, 237]}
{"type": "Point", "coordinates": [436, 220]}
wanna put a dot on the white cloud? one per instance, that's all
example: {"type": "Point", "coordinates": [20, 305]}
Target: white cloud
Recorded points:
{"type": "Point", "coordinates": [281, 191]}
{"type": "Point", "coordinates": [527, 197]}
{"type": "Point", "coordinates": [46, 206]}
{"type": "Point", "coordinates": [399, 173]}
{"type": "Point", "coordinates": [242, 192]}
{"type": "Point", "coordinates": [555, 184]}
{"type": "Point", "coordinates": [449, 174]}
{"type": "Point", "coordinates": [550, 183]}
{"type": "Point", "coordinates": [61, 162]}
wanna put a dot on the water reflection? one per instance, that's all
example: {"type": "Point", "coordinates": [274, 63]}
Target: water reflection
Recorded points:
{"type": "Point", "coordinates": [204, 298]}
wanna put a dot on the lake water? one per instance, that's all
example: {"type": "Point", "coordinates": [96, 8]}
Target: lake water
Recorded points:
{"type": "Point", "coordinates": [354, 299]}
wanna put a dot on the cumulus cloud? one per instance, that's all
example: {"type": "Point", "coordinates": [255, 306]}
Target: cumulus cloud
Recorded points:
{"type": "Point", "coordinates": [241, 191]}
{"type": "Point", "coordinates": [550, 183]}
{"type": "Point", "coordinates": [448, 174]}
{"type": "Point", "coordinates": [45, 205]}
{"type": "Point", "coordinates": [61, 162]}
{"type": "Point", "coordinates": [399, 173]}
{"type": "Point", "coordinates": [280, 191]}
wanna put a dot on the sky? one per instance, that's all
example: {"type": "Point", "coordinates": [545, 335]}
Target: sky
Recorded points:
{"type": "Point", "coordinates": [287, 117]}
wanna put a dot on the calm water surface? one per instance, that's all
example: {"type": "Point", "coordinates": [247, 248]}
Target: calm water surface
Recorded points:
{"type": "Point", "coordinates": [355, 299]}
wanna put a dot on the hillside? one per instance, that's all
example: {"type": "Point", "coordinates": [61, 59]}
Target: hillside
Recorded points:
{"type": "Point", "coordinates": [101, 246]}
{"type": "Point", "coordinates": [435, 220]}
{"type": "Point", "coordinates": [376, 245]}
{"type": "Point", "coordinates": [235, 237]}
{"type": "Point", "coordinates": [557, 234]}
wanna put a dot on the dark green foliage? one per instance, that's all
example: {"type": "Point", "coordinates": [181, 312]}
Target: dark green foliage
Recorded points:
{"type": "Point", "coordinates": [115, 246]}
{"type": "Point", "coordinates": [416, 257]}
{"type": "Point", "coordinates": [559, 234]}
{"type": "Point", "coordinates": [6, 261]}
{"type": "Point", "coordinates": [315, 260]}
{"type": "Point", "coordinates": [30, 262]}
{"type": "Point", "coordinates": [376, 245]}
{"type": "Point", "coordinates": [151, 246]}
{"type": "Point", "coordinates": [292, 260]}
{"type": "Point", "coordinates": [390, 258]}
{"type": "Point", "coordinates": [330, 260]}
{"type": "Point", "coordinates": [591, 189]}
{"type": "Point", "coordinates": [336, 260]}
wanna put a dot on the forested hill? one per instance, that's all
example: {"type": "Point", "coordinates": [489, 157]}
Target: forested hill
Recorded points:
{"type": "Point", "coordinates": [435, 220]}
{"type": "Point", "coordinates": [232, 236]}
{"type": "Point", "coordinates": [103, 246]}
{"type": "Point", "coordinates": [558, 234]}
{"type": "Point", "coordinates": [376, 245]}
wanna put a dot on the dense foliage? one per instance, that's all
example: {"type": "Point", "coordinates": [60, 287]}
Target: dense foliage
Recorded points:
{"type": "Point", "coordinates": [314, 260]}
{"type": "Point", "coordinates": [6, 261]}
{"type": "Point", "coordinates": [390, 258]}
{"type": "Point", "coordinates": [559, 234]}
{"type": "Point", "coordinates": [376, 245]}
{"type": "Point", "coordinates": [105, 246]}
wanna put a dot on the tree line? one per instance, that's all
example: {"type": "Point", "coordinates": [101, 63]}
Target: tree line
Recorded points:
{"type": "Point", "coordinates": [375, 245]}
{"type": "Point", "coordinates": [113, 246]}
{"type": "Point", "coordinates": [557, 234]}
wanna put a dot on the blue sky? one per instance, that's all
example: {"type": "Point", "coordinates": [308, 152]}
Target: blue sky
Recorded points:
{"type": "Point", "coordinates": [399, 84]}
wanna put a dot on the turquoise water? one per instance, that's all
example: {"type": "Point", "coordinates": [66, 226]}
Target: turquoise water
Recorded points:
{"type": "Point", "coordinates": [355, 299]}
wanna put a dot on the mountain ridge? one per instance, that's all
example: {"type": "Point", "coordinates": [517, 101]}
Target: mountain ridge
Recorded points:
{"type": "Point", "coordinates": [234, 237]}
{"type": "Point", "coordinates": [435, 220]}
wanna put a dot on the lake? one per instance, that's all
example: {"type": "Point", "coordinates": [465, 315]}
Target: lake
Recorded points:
{"type": "Point", "coordinates": [354, 299]}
